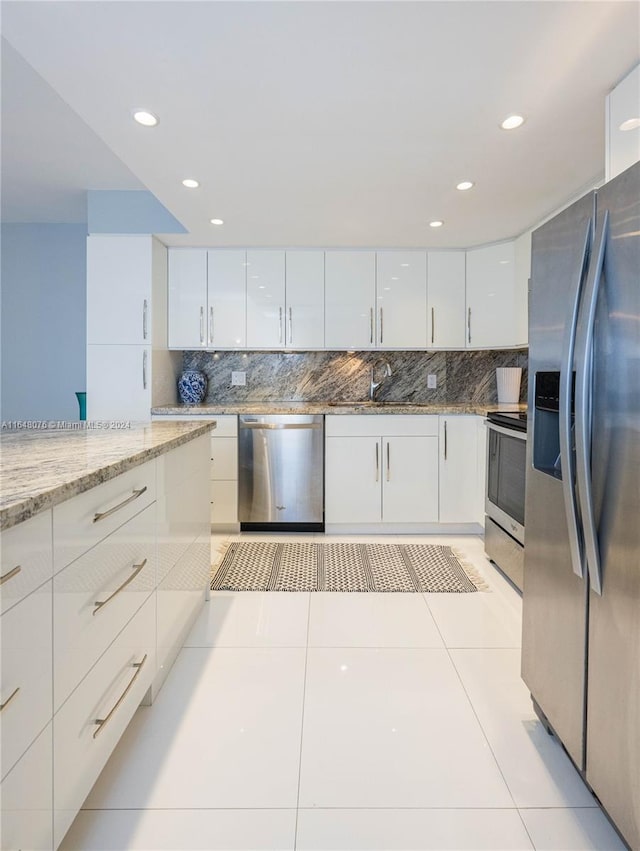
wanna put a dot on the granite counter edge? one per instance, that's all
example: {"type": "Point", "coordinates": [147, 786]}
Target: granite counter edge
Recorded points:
{"type": "Point", "coordinates": [23, 509]}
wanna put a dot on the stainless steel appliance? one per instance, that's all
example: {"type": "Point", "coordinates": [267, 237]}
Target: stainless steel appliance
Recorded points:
{"type": "Point", "coordinates": [581, 602]}
{"type": "Point", "coordinates": [505, 493]}
{"type": "Point", "coordinates": [281, 475]}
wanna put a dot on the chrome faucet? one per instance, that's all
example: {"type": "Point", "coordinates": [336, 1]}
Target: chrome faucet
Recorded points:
{"type": "Point", "coordinates": [373, 384]}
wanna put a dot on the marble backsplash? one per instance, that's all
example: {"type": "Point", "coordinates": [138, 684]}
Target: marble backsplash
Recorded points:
{"type": "Point", "coordinates": [344, 377]}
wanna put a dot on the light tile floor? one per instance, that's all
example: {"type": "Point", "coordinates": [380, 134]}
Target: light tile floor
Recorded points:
{"type": "Point", "coordinates": [340, 722]}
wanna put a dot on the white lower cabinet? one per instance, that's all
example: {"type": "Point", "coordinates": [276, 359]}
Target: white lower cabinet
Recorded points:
{"type": "Point", "coordinates": [88, 726]}
{"type": "Point", "coordinates": [459, 469]}
{"type": "Point", "coordinates": [26, 793]}
{"type": "Point", "coordinates": [381, 469]}
{"type": "Point", "coordinates": [224, 472]}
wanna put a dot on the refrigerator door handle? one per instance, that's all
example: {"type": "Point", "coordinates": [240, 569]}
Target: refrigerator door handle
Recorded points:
{"type": "Point", "coordinates": [567, 458]}
{"type": "Point", "coordinates": [584, 389]}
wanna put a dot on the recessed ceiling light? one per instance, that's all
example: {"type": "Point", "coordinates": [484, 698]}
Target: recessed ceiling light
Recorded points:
{"type": "Point", "coordinates": [404, 264]}
{"type": "Point", "coordinates": [512, 121]}
{"type": "Point", "coordinates": [147, 119]}
{"type": "Point", "coordinates": [630, 124]}
{"type": "Point", "coordinates": [436, 224]}
{"type": "Point", "coordinates": [219, 222]}
{"type": "Point", "coordinates": [190, 183]}
{"type": "Point", "coordinates": [464, 185]}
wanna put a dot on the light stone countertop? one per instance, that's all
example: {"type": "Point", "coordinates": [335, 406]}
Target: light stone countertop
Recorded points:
{"type": "Point", "coordinates": [40, 468]}
{"type": "Point", "coordinates": [273, 407]}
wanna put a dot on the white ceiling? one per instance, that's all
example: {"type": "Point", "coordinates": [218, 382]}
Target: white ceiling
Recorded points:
{"type": "Point", "coordinates": [337, 123]}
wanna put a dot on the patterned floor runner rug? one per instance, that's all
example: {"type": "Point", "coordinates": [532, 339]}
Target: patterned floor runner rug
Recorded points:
{"type": "Point", "coordinates": [267, 566]}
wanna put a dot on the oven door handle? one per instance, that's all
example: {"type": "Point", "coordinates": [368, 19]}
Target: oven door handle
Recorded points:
{"type": "Point", "coordinates": [510, 432]}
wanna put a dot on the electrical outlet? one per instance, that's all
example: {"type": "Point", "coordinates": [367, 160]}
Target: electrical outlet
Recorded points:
{"type": "Point", "coordinates": [432, 381]}
{"type": "Point", "coordinates": [238, 379]}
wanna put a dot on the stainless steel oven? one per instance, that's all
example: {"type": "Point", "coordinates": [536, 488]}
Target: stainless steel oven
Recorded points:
{"type": "Point", "coordinates": [505, 493]}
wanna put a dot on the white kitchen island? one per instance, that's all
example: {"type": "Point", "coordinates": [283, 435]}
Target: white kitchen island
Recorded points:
{"type": "Point", "coordinates": [105, 559]}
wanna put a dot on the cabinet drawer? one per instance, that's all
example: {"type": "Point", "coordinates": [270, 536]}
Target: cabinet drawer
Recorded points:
{"type": "Point", "coordinates": [27, 799]}
{"type": "Point", "coordinates": [224, 502]}
{"type": "Point", "coordinates": [226, 426]}
{"type": "Point", "coordinates": [75, 528]}
{"type": "Point", "coordinates": [28, 547]}
{"type": "Point", "coordinates": [180, 596]}
{"type": "Point", "coordinates": [25, 674]}
{"type": "Point", "coordinates": [224, 458]}
{"type": "Point", "coordinates": [110, 692]}
{"type": "Point", "coordinates": [376, 425]}
{"type": "Point", "coordinates": [120, 573]}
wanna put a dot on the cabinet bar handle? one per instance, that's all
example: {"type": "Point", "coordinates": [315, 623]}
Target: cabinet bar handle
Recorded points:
{"type": "Point", "coordinates": [371, 325]}
{"type": "Point", "coordinates": [136, 570]}
{"type": "Point", "coordinates": [9, 699]}
{"type": "Point", "coordinates": [101, 722]}
{"type": "Point", "coordinates": [388, 462]}
{"type": "Point", "coordinates": [16, 570]}
{"type": "Point", "coordinates": [381, 327]}
{"type": "Point", "coordinates": [144, 370]}
{"type": "Point", "coordinates": [211, 325]}
{"type": "Point", "coordinates": [280, 326]}
{"type": "Point", "coordinates": [377, 462]}
{"type": "Point", "coordinates": [445, 440]}
{"type": "Point", "coordinates": [291, 325]}
{"type": "Point", "coordinates": [433, 324]}
{"type": "Point", "coordinates": [145, 307]}
{"type": "Point", "coordinates": [469, 325]}
{"type": "Point", "coordinates": [102, 514]}
{"type": "Point", "coordinates": [201, 326]}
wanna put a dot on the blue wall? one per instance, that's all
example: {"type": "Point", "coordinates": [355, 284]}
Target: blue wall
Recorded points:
{"type": "Point", "coordinates": [43, 320]}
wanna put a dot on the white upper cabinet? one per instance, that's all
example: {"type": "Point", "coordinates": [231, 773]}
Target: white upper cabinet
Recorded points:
{"type": "Point", "coordinates": [304, 299]}
{"type": "Point", "coordinates": [187, 298]}
{"type": "Point", "coordinates": [491, 297]}
{"type": "Point", "coordinates": [265, 299]}
{"type": "Point", "coordinates": [446, 299]}
{"type": "Point", "coordinates": [623, 139]}
{"type": "Point", "coordinates": [350, 293]}
{"type": "Point", "coordinates": [401, 299]}
{"type": "Point", "coordinates": [227, 299]}
{"type": "Point", "coordinates": [119, 286]}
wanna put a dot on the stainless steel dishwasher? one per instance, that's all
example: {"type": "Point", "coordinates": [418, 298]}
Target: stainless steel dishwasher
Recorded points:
{"type": "Point", "coordinates": [281, 475]}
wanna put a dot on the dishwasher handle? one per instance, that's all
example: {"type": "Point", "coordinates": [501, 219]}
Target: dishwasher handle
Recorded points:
{"type": "Point", "coordinates": [257, 425]}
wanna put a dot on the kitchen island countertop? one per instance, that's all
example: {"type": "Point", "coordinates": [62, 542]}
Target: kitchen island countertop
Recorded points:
{"type": "Point", "coordinates": [40, 468]}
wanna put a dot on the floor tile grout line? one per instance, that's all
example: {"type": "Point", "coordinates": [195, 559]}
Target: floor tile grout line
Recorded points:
{"type": "Point", "coordinates": [304, 695]}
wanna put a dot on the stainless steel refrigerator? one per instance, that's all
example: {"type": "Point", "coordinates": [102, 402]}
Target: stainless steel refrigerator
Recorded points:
{"type": "Point", "coordinates": [581, 597]}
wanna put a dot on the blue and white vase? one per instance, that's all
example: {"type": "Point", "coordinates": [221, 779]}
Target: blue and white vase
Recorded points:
{"type": "Point", "coordinates": [192, 387]}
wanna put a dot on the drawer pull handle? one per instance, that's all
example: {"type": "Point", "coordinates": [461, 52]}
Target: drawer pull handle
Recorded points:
{"type": "Point", "coordinates": [16, 570]}
{"type": "Point", "coordinates": [136, 570]}
{"type": "Point", "coordinates": [101, 722]}
{"type": "Point", "coordinates": [9, 699]}
{"type": "Point", "coordinates": [102, 514]}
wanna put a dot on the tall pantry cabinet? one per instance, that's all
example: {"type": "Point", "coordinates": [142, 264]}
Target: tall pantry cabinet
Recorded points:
{"type": "Point", "coordinates": [128, 365]}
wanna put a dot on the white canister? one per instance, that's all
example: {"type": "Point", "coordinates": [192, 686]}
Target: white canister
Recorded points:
{"type": "Point", "coordinates": [508, 380]}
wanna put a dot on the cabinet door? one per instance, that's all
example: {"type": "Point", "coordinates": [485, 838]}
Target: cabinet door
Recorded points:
{"type": "Point", "coordinates": [401, 297]}
{"type": "Point", "coordinates": [446, 300]}
{"type": "Point", "coordinates": [119, 289]}
{"type": "Point", "coordinates": [623, 145]}
{"type": "Point", "coordinates": [353, 476]}
{"type": "Point", "coordinates": [265, 300]}
{"type": "Point", "coordinates": [305, 299]}
{"type": "Point", "coordinates": [187, 298]}
{"type": "Point", "coordinates": [459, 480]}
{"type": "Point", "coordinates": [350, 288]}
{"type": "Point", "coordinates": [227, 299]}
{"type": "Point", "coordinates": [118, 383]}
{"type": "Point", "coordinates": [491, 297]}
{"type": "Point", "coordinates": [26, 796]}
{"type": "Point", "coordinates": [410, 479]}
